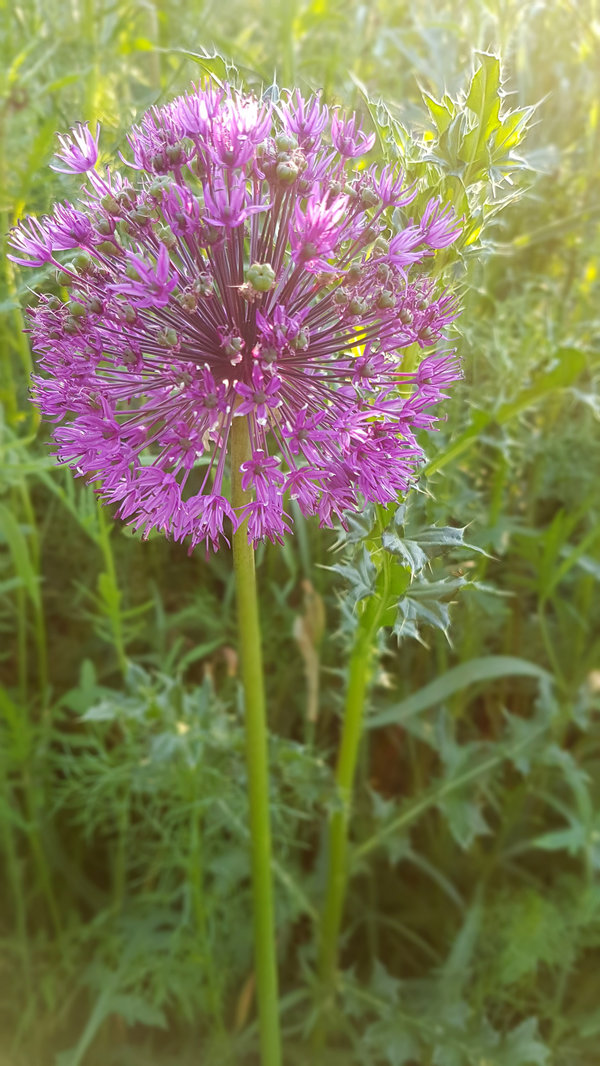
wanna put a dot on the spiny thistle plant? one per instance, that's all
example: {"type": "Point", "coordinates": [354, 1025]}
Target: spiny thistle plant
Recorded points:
{"type": "Point", "coordinates": [233, 336]}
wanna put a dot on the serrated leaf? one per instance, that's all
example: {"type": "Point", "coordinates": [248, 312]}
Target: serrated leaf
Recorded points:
{"type": "Point", "coordinates": [465, 819]}
{"type": "Point", "coordinates": [442, 112]}
{"type": "Point", "coordinates": [522, 1047]}
{"type": "Point", "coordinates": [483, 97]}
{"type": "Point", "coordinates": [408, 550]}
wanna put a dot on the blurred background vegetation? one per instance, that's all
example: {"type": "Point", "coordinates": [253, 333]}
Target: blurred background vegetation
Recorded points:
{"type": "Point", "coordinates": [472, 929]}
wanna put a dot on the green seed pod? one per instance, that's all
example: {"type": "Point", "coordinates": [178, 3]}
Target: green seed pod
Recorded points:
{"type": "Point", "coordinates": [368, 197]}
{"type": "Point", "coordinates": [285, 143]}
{"type": "Point", "coordinates": [77, 310]}
{"type": "Point", "coordinates": [381, 246]}
{"type": "Point", "coordinates": [108, 248]}
{"type": "Point", "coordinates": [110, 205]}
{"type": "Point", "coordinates": [261, 276]}
{"type": "Point", "coordinates": [166, 235]}
{"type": "Point", "coordinates": [128, 313]}
{"type": "Point", "coordinates": [64, 279]}
{"type": "Point", "coordinates": [341, 297]}
{"type": "Point", "coordinates": [175, 154]}
{"type": "Point", "coordinates": [300, 341]}
{"type": "Point", "coordinates": [188, 300]}
{"type": "Point", "coordinates": [385, 300]}
{"type": "Point", "coordinates": [105, 227]}
{"type": "Point", "coordinates": [203, 285]}
{"type": "Point", "coordinates": [82, 263]}
{"type": "Point", "coordinates": [168, 338]}
{"type": "Point", "coordinates": [357, 306]}
{"type": "Point", "coordinates": [353, 274]}
{"type": "Point", "coordinates": [287, 173]}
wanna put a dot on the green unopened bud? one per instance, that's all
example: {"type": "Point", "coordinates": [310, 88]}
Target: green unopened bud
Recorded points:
{"type": "Point", "coordinates": [421, 305]}
{"type": "Point", "coordinates": [341, 297]}
{"type": "Point", "coordinates": [381, 246]}
{"type": "Point", "coordinates": [105, 227]}
{"type": "Point", "coordinates": [261, 276]}
{"type": "Point", "coordinates": [70, 326]}
{"type": "Point", "coordinates": [287, 173]}
{"type": "Point", "coordinates": [406, 316]}
{"type": "Point", "coordinates": [132, 272]}
{"type": "Point", "coordinates": [77, 310]}
{"type": "Point", "coordinates": [94, 305]}
{"type": "Point", "coordinates": [54, 304]}
{"type": "Point", "coordinates": [64, 279]}
{"type": "Point", "coordinates": [427, 335]}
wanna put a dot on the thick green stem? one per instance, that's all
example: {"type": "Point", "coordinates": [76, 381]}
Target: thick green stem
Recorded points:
{"type": "Point", "coordinates": [256, 754]}
{"type": "Point", "coordinates": [337, 851]}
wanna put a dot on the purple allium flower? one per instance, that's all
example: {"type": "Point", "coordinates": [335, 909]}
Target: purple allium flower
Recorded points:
{"type": "Point", "coordinates": [242, 267]}
{"type": "Point", "coordinates": [79, 152]}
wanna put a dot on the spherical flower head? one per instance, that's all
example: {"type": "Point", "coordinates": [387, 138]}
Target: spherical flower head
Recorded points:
{"type": "Point", "coordinates": [240, 265]}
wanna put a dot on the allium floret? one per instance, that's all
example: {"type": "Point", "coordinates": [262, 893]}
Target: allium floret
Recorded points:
{"type": "Point", "coordinates": [243, 265]}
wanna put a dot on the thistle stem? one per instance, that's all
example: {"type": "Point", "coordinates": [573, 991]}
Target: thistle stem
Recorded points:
{"type": "Point", "coordinates": [256, 755]}
{"type": "Point", "coordinates": [337, 849]}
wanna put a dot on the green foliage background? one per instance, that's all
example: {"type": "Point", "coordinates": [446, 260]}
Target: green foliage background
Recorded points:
{"type": "Point", "coordinates": [472, 933]}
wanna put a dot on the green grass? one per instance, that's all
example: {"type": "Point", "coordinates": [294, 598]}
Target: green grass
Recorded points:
{"type": "Point", "coordinates": [472, 928]}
